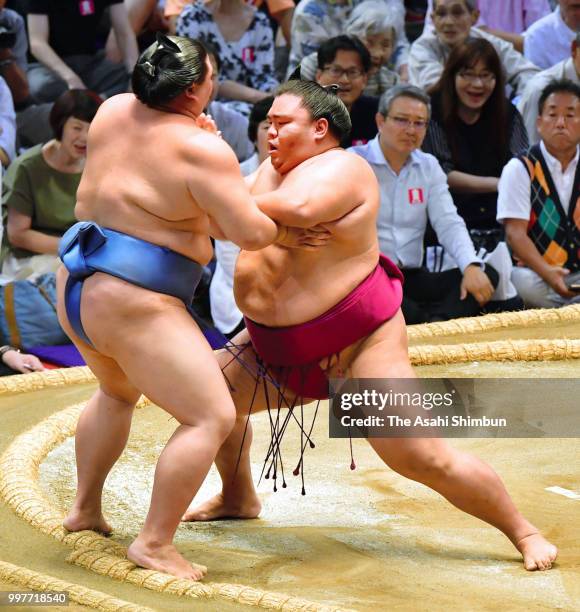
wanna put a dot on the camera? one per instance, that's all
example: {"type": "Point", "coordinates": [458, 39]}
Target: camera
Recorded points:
{"type": "Point", "coordinates": [7, 37]}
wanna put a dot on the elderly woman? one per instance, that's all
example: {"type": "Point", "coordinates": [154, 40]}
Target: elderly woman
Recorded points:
{"type": "Point", "coordinates": [244, 41]}
{"type": "Point", "coordinates": [40, 188]}
{"type": "Point", "coordinates": [377, 24]}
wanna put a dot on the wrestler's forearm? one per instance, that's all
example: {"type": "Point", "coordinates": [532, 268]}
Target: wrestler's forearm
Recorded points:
{"type": "Point", "coordinates": [251, 233]}
{"type": "Point", "coordinates": [286, 209]}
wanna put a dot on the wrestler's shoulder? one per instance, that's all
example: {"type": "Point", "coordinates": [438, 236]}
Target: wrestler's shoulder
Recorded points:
{"type": "Point", "coordinates": [344, 162]}
{"type": "Point", "coordinates": [208, 147]}
{"type": "Point", "coordinates": [116, 109]}
{"type": "Point", "coordinates": [118, 102]}
{"type": "Point", "coordinates": [343, 155]}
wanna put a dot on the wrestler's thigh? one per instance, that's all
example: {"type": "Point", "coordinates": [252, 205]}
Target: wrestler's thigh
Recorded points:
{"type": "Point", "coordinates": [160, 348]}
{"type": "Point", "coordinates": [111, 377]}
{"type": "Point", "coordinates": [239, 364]}
{"type": "Point", "coordinates": [384, 355]}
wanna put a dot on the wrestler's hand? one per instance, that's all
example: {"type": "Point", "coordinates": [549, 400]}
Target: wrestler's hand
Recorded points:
{"type": "Point", "coordinates": [309, 239]}
{"type": "Point", "coordinates": [205, 122]}
{"type": "Point", "coordinates": [476, 282]}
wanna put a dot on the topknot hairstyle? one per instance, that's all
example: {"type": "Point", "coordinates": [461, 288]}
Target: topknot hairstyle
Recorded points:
{"type": "Point", "coordinates": [167, 68]}
{"type": "Point", "coordinates": [321, 102]}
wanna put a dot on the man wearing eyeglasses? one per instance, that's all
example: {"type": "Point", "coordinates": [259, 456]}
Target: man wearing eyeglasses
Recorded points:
{"type": "Point", "coordinates": [454, 22]}
{"type": "Point", "coordinates": [345, 61]}
{"type": "Point", "coordinates": [413, 191]}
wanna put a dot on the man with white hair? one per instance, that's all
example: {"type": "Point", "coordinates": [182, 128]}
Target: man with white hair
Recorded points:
{"type": "Point", "coordinates": [454, 22]}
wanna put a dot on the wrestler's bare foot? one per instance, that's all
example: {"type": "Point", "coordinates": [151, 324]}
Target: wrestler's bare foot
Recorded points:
{"type": "Point", "coordinates": [164, 558]}
{"type": "Point", "coordinates": [245, 507]}
{"type": "Point", "coordinates": [538, 553]}
{"type": "Point", "coordinates": [79, 520]}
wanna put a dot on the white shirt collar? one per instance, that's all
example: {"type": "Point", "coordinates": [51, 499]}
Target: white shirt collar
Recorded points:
{"type": "Point", "coordinates": [553, 162]}
{"type": "Point", "coordinates": [376, 155]}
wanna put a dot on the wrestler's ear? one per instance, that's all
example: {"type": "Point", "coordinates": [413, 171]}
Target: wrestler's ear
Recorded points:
{"type": "Point", "coordinates": [320, 128]}
{"type": "Point", "coordinates": [190, 92]}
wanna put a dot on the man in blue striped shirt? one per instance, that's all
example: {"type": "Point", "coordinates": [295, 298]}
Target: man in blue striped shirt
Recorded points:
{"type": "Point", "coordinates": [414, 191]}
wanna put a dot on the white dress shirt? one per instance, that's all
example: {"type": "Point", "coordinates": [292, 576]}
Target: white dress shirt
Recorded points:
{"type": "Point", "coordinates": [515, 186]}
{"type": "Point", "coordinates": [417, 194]}
{"type": "Point", "coordinates": [548, 41]}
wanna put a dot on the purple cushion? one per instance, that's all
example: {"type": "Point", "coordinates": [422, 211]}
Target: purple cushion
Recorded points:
{"type": "Point", "coordinates": [65, 355]}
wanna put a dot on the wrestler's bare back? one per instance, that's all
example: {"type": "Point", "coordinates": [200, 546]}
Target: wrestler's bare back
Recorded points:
{"type": "Point", "coordinates": [157, 176]}
{"type": "Point", "coordinates": [280, 286]}
{"type": "Point", "coordinates": [140, 165]}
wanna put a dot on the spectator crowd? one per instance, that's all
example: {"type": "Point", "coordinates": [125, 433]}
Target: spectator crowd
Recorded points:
{"type": "Point", "coordinates": [468, 112]}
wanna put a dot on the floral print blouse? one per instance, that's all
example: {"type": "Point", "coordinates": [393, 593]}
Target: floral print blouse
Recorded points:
{"type": "Point", "coordinates": [249, 61]}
